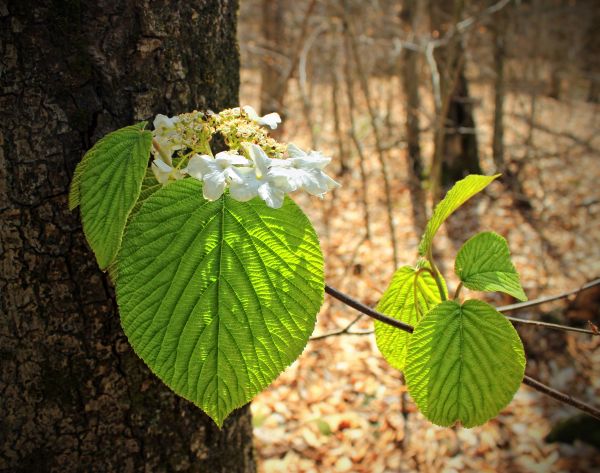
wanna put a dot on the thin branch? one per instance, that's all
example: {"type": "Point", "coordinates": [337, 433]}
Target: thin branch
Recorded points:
{"type": "Point", "coordinates": [537, 385]}
{"type": "Point", "coordinates": [435, 76]}
{"type": "Point", "coordinates": [542, 300]}
{"type": "Point", "coordinates": [539, 323]}
{"type": "Point", "coordinates": [365, 309]}
{"type": "Point", "coordinates": [338, 333]}
{"type": "Point", "coordinates": [463, 25]}
{"type": "Point", "coordinates": [562, 397]}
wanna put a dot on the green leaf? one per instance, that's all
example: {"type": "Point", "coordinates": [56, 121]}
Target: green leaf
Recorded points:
{"type": "Point", "coordinates": [75, 188]}
{"type": "Point", "coordinates": [149, 186]}
{"type": "Point", "coordinates": [462, 191]}
{"type": "Point", "coordinates": [219, 297]}
{"type": "Point", "coordinates": [483, 264]}
{"type": "Point", "coordinates": [107, 186]}
{"type": "Point", "coordinates": [464, 363]}
{"type": "Point", "coordinates": [398, 301]}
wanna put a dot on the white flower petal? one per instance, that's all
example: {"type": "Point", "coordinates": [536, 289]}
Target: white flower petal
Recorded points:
{"type": "Point", "coordinates": [260, 159]}
{"type": "Point", "coordinates": [164, 167]}
{"type": "Point", "coordinates": [160, 175]}
{"type": "Point", "coordinates": [252, 115]}
{"type": "Point", "coordinates": [163, 123]}
{"type": "Point", "coordinates": [311, 161]}
{"type": "Point", "coordinates": [243, 184]}
{"type": "Point", "coordinates": [272, 196]}
{"type": "Point", "coordinates": [271, 120]}
{"type": "Point", "coordinates": [294, 151]}
{"type": "Point", "coordinates": [316, 182]}
{"type": "Point", "coordinates": [225, 159]}
{"type": "Point", "coordinates": [286, 179]}
{"type": "Point", "coordinates": [280, 163]}
{"type": "Point", "coordinates": [199, 166]}
{"type": "Point", "coordinates": [214, 185]}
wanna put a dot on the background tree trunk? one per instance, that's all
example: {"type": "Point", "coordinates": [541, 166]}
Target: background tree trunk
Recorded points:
{"type": "Point", "coordinates": [499, 38]}
{"type": "Point", "coordinates": [273, 83]}
{"type": "Point", "coordinates": [410, 90]}
{"type": "Point", "coordinates": [460, 139]}
{"type": "Point", "coordinates": [74, 396]}
{"type": "Point", "coordinates": [455, 153]}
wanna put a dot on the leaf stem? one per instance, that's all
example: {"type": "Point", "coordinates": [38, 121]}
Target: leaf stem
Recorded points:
{"type": "Point", "coordinates": [435, 272]}
{"type": "Point", "coordinates": [457, 292]}
{"type": "Point", "coordinates": [157, 147]}
{"type": "Point", "coordinates": [542, 300]}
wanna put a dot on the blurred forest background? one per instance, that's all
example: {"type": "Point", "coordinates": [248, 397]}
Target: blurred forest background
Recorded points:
{"type": "Point", "coordinates": [408, 97]}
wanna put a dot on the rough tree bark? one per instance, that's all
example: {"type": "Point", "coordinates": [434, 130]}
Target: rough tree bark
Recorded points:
{"type": "Point", "coordinates": [74, 397]}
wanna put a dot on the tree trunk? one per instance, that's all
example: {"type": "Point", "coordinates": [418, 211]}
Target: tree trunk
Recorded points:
{"type": "Point", "coordinates": [74, 395]}
{"type": "Point", "coordinates": [455, 153]}
{"type": "Point", "coordinates": [412, 99]}
{"type": "Point", "coordinates": [460, 139]}
{"type": "Point", "coordinates": [499, 38]}
{"type": "Point", "coordinates": [591, 59]}
{"type": "Point", "coordinates": [272, 85]}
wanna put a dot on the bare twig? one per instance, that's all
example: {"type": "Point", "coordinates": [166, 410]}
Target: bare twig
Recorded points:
{"type": "Point", "coordinates": [542, 300]}
{"type": "Point", "coordinates": [435, 76]}
{"type": "Point", "coordinates": [463, 25]}
{"type": "Point", "coordinates": [344, 331]}
{"type": "Point", "coordinates": [539, 323]}
{"type": "Point", "coordinates": [562, 397]}
{"type": "Point", "coordinates": [529, 381]}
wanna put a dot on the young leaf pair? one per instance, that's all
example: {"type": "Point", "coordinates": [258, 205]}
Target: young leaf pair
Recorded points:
{"type": "Point", "coordinates": [218, 297]}
{"type": "Point", "coordinates": [464, 362]}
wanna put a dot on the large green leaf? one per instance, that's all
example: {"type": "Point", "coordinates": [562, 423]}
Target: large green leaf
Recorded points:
{"type": "Point", "coordinates": [483, 264]}
{"type": "Point", "coordinates": [107, 185]}
{"type": "Point", "coordinates": [464, 363]}
{"type": "Point", "coordinates": [149, 186]}
{"type": "Point", "coordinates": [219, 297]}
{"type": "Point", "coordinates": [398, 301]}
{"type": "Point", "coordinates": [462, 191]}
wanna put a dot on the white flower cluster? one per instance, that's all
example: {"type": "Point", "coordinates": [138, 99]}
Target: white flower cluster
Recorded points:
{"type": "Point", "coordinates": [268, 178]}
{"type": "Point", "coordinates": [166, 141]}
{"type": "Point", "coordinates": [246, 176]}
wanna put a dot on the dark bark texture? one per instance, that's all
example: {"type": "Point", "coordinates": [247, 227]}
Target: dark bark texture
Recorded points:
{"type": "Point", "coordinates": [73, 395]}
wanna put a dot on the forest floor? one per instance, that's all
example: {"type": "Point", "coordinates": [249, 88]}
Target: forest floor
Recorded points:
{"type": "Point", "coordinates": [338, 408]}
